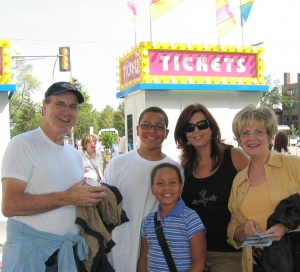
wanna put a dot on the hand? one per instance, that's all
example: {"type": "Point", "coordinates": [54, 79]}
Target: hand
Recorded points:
{"type": "Point", "coordinates": [81, 195]}
{"type": "Point", "coordinates": [86, 169]}
{"type": "Point", "coordinates": [279, 230]}
{"type": "Point", "coordinates": [251, 227]}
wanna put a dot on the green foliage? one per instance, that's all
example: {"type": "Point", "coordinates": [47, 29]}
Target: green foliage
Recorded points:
{"type": "Point", "coordinates": [106, 118]}
{"type": "Point", "coordinates": [24, 114]}
{"type": "Point", "coordinates": [294, 130]}
{"type": "Point", "coordinates": [119, 119]}
{"type": "Point", "coordinates": [273, 97]}
{"type": "Point", "coordinates": [87, 117]}
{"type": "Point", "coordinates": [277, 96]}
{"type": "Point", "coordinates": [108, 138]}
{"type": "Point", "coordinates": [109, 118]}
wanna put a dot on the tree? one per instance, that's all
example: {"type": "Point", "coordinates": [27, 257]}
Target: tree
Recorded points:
{"type": "Point", "coordinates": [294, 131]}
{"type": "Point", "coordinates": [119, 119]}
{"type": "Point", "coordinates": [277, 96]}
{"type": "Point", "coordinates": [24, 114]}
{"type": "Point", "coordinates": [87, 117]}
{"type": "Point", "coordinates": [108, 138]}
{"type": "Point", "coordinates": [106, 118]}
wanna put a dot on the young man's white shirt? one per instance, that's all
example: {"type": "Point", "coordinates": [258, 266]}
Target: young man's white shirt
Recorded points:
{"type": "Point", "coordinates": [130, 173]}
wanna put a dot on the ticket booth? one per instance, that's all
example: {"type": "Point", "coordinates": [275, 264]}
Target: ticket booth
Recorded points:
{"type": "Point", "coordinates": [6, 92]}
{"type": "Point", "coordinates": [172, 76]}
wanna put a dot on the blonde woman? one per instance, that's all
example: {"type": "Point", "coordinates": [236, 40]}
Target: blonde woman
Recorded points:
{"type": "Point", "coordinates": [258, 189]}
{"type": "Point", "coordinates": [92, 158]}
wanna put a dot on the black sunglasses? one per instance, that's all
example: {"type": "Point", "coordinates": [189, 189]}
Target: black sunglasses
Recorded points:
{"type": "Point", "coordinates": [203, 124]}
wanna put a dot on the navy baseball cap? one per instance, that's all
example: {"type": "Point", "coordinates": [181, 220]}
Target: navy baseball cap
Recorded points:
{"type": "Point", "coordinates": [62, 87]}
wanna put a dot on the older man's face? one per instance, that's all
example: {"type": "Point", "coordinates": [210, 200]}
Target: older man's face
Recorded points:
{"type": "Point", "coordinates": [61, 113]}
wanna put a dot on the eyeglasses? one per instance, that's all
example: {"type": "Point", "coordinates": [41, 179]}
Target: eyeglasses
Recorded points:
{"type": "Point", "coordinates": [257, 133]}
{"type": "Point", "coordinates": [201, 125]}
{"type": "Point", "coordinates": [92, 142]}
{"type": "Point", "coordinates": [62, 105]}
{"type": "Point", "coordinates": [157, 127]}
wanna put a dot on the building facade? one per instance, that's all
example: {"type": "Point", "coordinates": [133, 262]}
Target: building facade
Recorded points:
{"type": "Point", "coordinates": [292, 116]}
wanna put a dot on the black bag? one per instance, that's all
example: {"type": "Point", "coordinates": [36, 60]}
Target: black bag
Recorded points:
{"type": "Point", "coordinates": [257, 254]}
{"type": "Point", "coordinates": [295, 243]}
{"type": "Point", "coordinates": [278, 256]}
{"type": "Point", "coordinates": [283, 255]}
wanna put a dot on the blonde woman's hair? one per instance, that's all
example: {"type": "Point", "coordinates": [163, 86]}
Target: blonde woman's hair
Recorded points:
{"type": "Point", "coordinates": [87, 138]}
{"type": "Point", "coordinates": [250, 115]}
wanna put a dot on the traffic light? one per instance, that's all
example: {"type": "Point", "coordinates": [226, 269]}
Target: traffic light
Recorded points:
{"type": "Point", "coordinates": [64, 59]}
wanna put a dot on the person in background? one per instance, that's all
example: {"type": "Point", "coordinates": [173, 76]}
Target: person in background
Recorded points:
{"type": "Point", "coordinates": [130, 147]}
{"type": "Point", "coordinates": [76, 144]}
{"type": "Point", "coordinates": [257, 190]}
{"type": "Point", "coordinates": [130, 173]}
{"type": "Point", "coordinates": [92, 158]}
{"type": "Point", "coordinates": [281, 142]}
{"type": "Point", "coordinates": [115, 147]}
{"type": "Point", "coordinates": [210, 167]}
{"type": "Point", "coordinates": [182, 227]}
{"type": "Point", "coordinates": [42, 183]}
{"type": "Point", "coordinates": [122, 146]}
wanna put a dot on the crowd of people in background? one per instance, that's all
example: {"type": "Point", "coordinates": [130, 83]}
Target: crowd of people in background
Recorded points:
{"type": "Point", "coordinates": [119, 147]}
{"type": "Point", "coordinates": [207, 204]}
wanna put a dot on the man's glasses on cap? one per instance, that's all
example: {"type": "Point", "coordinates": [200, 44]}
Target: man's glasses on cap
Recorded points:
{"type": "Point", "coordinates": [201, 125]}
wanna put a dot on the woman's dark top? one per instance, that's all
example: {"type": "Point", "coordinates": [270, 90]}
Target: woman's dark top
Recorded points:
{"type": "Point", "coordinates": [209, 198]}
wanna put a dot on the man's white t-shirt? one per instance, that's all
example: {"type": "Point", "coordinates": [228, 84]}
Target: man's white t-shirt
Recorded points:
{"type": "Point", "coordinates": [46, 168]}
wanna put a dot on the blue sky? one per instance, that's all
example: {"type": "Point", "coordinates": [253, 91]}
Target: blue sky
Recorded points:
{"type": "Point", "coordinates": [100, 31]}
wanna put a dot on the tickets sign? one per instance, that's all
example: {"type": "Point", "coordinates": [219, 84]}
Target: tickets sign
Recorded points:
{"type": "Point", "coordinates": [166, 63]}
{"type": "Point", "coordinates": [207, 64]}
{"type": "Point", "coordinates": [131, 68]}
{"type": "Point", "coordinates": [1, 61]}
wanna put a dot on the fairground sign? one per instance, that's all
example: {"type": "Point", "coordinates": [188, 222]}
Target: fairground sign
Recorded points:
{"type": "Point", "coordinates": [168, 66]}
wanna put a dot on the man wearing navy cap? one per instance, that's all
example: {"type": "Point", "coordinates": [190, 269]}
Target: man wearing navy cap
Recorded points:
{"type": "Point", "coordinates": [42, 183]}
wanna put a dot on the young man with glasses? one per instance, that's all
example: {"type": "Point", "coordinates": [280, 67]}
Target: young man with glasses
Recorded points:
{"type": "Point", "coordinates": [130, 173]}
{"type": "Point", "coordinates": [42, 183]}
{"type": "Point", "coordinates": [210, 167]}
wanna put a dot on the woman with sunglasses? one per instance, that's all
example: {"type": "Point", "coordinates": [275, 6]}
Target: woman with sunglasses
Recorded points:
{"type": "Point", "coordinates": [210, 167]}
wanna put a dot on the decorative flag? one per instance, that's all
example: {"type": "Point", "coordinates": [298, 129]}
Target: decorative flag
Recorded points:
{"type": "Point", "coordinates": [245, 7]}
{"type": "Point", "coordinates": [159, 8]}
{"type": "Point", "coordinates": [133, 7]}
{"type": "Point", "coordinates": [225, 19]}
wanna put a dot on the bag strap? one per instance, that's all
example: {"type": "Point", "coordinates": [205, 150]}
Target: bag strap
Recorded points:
{"type": "Point", "coordinates": [164, 245]}
{"type": "Point", "coordinates": [96, 168]}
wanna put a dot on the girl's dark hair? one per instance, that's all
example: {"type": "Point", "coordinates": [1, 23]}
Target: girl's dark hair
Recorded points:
{"type": "Point", "coordinates": [165, 165]}
{"type": "Point", "coordinates": [281, 142]}
{"type": "Point", "coordinates": [188, 155]}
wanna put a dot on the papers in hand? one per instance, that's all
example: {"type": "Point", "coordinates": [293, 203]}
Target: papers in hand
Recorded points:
{"type": "Point", "coordinates": [259, 240]}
